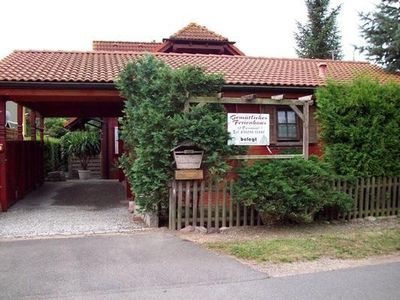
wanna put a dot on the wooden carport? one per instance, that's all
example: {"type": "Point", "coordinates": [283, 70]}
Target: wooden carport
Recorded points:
{"type": "Point", "coordinates": [21, 161]}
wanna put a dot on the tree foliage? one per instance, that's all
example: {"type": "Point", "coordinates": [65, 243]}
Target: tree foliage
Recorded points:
{"type": "Point", "coordinates": [289, 190]}
{"type": "Point", "coordinates": [54, 127]}
{"type": "Point", "coordinates": [320, 35]}
{"type": "Point", "coordinates": [360, 127]}
{"type": "Point", "coordinates": [381, 30]}
{"type": "Point", "coordinates": [154, 123]}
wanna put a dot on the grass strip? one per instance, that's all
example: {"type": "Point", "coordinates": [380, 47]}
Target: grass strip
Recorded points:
{"type": "Point", "coordinates": [339, 246]}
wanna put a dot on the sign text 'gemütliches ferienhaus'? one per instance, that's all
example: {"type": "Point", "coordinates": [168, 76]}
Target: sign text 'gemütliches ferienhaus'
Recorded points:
{"type": "Point", "coordinates": [248, 129]}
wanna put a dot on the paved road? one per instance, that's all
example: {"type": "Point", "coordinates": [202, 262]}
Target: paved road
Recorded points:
{"type": "Point", "coordinates": [161, 266]}
{"type": "Point", "coordinates": [69, 207]}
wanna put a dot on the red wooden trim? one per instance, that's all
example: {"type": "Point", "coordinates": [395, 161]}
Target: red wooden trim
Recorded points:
{"type": "Point", "coordinates": [17, 92]}
{"type": "Point", "coordinates": [33, 125]}
{"type": "Point", "coordinates": [20, 120]}
{"type": "Point", "coordinates": [3, 169]}
{"type": "Point", "coordinates": [41, 129]}
{"type": "Point", "coordinates": [104, 150]}
{"type": "Point", "coordinates": [234, 50]}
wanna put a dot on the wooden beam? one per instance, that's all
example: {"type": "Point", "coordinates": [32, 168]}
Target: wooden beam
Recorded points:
{"type": "Point", "coordinates": [305, 98]}
{"type": "Point", "coordinates": [306, 113]}
{"type": "Point", "coordinates": [249, 98]}
{"type": "Point", "coordinates": [228, 100]}
{"type": "Point", "coordinates": [277, 97]}
{"type": "Point", "coordinates": [257, 157]}
{"type": "Point", "coordinates": [297, 111]}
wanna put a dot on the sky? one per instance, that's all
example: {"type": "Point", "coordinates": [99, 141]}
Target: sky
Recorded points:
{"type": "Point", "coordinates": [259, 27]}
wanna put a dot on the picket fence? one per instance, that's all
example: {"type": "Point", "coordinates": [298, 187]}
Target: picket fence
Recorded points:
{"type": "Point", "coordinates": [211, 204]}
{"type": "Point", "coordinates": [372, 196]}
{"type": "Point", "coordinates": [207, 204]}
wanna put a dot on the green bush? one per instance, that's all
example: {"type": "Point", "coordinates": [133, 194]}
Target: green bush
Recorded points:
{"type": "Point", "coordinates": [289, 190]}
{"type": "Point", "coordinates": [53, 159]}
{"type": "Point", "coordinates": [154, 122]}
{"type": "Point", "coordinates": [81, 144]}
{"type": "Point", "coordinates": [360, 127]}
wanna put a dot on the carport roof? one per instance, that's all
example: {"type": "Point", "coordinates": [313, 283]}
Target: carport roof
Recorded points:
{"type": "Point", "coordinates": [104, 67]}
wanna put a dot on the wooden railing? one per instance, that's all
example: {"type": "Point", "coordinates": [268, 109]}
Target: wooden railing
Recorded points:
{"type": "Point", "coordinates": [212, 204]}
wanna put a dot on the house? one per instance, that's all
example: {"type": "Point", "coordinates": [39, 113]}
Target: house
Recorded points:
{"type": "Point", "coordinates": [80, 85]}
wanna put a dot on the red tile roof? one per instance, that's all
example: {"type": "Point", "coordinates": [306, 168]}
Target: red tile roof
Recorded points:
{"type": "Point", "coordinates": [125, 46]}
{"type": "Point", "coordinates": [194, 31]}
{"type": "Point", "coordinates": [104, 67]}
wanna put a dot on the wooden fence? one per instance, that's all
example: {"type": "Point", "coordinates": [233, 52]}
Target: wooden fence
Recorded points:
{"type": "Point", "coordinates": [373, 196]}
{"type": "Point", "coordinates": [212, 205]}
{"type": "Point", "coordinates": [24, 167]}
{"type": "Point", "coordinates": [208, 204]}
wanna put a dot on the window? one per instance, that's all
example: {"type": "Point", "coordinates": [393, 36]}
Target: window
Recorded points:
{"type": "Point", "coordinates": [287, 125]}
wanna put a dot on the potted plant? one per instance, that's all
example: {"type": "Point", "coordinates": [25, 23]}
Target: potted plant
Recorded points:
{"type": "Point", "coordinates": [83, 145]}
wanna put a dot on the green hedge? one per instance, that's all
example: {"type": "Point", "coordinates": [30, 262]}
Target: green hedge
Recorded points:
{"type": "Point", "coordinates": [360, 127]}
{"type": "Point", "coordinates": [53, 160]}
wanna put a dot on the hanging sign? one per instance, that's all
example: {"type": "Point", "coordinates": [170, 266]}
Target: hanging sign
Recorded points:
{"type": "Point", "coordinates": [248, 129]}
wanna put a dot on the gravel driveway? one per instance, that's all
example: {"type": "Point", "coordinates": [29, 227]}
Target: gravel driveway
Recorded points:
{"type": "Point", "coordinates": [70, 207]}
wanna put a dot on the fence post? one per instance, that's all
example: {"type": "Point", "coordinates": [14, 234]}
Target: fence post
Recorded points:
{"type": "Point", "coordinates": [195, 196]}
{"type": "Point", "coordinates": [384, 193]}
{"type": "Point", "coordinates": [224, 204]}
{"type": "Point", "coordinates": [362, 190]}
{"type": "Point", "coordinates": [202, 193]}
{"type": "Point", "coordinates": [397, 192]}
{"type": "Point", "coordinates": [231, 204]}
{"type": "Point", "coordinates": [216, 219]}
{"type": "Point", "coordinates": [179, 224]}
{"type": "Point", "coordinates": [187, 202]}
{"type": "Point", "coordinates": [209, 216]}
{"type": "Point", "coordinates": [373, 197]}
{"type": "Point", "coordinates": [173, 206]}
{"type": "Point", "coordinates": [368, 197]}
{"type": "Point", "coordinates": [237, 214]}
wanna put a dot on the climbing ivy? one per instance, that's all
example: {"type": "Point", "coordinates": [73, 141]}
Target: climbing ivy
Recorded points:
{"type": "Point", "coordinates": [154, 123]}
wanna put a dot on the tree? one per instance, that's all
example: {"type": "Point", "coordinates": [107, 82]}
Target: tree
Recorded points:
{"type": "Point", "coordinates": [154, 123]}
{"type": "Point", "coordinates": [319, 37]}
{"type": "Point", "coordinates": [381, 30]}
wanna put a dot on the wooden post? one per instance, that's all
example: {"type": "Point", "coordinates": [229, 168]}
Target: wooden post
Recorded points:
{"type": "Point", "coordinates": [105, 174]}
{"type": "Point", "coordinates": [33, 125]}
{"type": "Point", "coordinates": [3, 171]}
{"type": "Point", "coordinates": [41, 128]}
{"type": "Point", "coordinates": [195, 200]}
{"type": "Point", "coordinates": [306, 112]}
{"type": "Point", "coordinates": [187, 202]}
{"type": "Point", "coordinates": [173, 206]}
{"type": "Point", "coordinates": [179, 224]}
{"type": "Point", "coordinates": [20, 122]}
